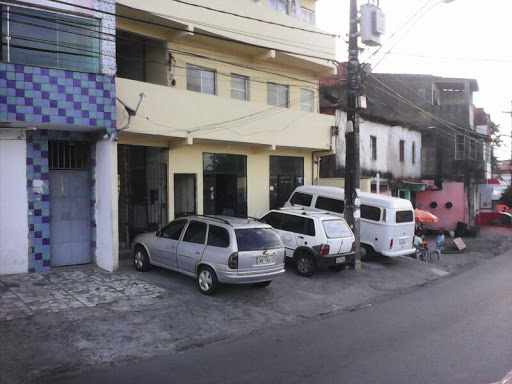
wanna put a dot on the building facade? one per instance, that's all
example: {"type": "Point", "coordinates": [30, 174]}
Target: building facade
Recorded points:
{"type": "Point", "coordinates": [58, 197]}
{"type": "Point", "coordinates": [218, 110]}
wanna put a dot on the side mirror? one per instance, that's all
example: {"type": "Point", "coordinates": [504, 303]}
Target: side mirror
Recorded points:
{"type": "Point", "coordinates": [157, 233]}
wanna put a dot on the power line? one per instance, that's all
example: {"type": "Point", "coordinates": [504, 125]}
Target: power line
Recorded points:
{"type": "Point", "coordinates": [222, 38]}
{"type": "Point", "coordinates": [255, 19]}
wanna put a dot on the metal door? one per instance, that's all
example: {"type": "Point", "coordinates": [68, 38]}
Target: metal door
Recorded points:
{"type": "Point", "coordinates": [70, 229]}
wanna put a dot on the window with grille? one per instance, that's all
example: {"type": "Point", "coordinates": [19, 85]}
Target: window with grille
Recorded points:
{"type": "Point", "coordinates": [68, 155]}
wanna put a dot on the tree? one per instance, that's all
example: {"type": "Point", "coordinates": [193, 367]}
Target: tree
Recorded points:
{"type": "Point", "coordinates": [496, 142]}
{"type": "Point", "coordinates": [506, 198]}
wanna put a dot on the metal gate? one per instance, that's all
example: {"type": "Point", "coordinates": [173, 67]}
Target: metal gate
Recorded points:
{"type": "Point", "coordinates": [142, 193]}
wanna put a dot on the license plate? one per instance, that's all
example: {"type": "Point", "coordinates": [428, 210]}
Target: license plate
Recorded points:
{"type": "Point", "coordinates": [261, 260]}
{"type": "Point", "coordinates": [402, 241]}
{"type": "Point", "coordinates": [340, 259]}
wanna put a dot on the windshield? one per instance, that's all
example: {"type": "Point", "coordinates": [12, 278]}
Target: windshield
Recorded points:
{"type": "Point", "coordinates": [336, 229]}
{"type": "Point", "coordinates": [255, 239]}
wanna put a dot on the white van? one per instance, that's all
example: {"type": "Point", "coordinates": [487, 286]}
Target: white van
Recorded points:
{"type": "Point", "coordinates": [387, 223]}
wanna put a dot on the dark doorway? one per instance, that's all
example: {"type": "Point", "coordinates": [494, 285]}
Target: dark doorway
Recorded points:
{"type": "Point", "coordinates": [225, 184]}
{"type": "Point", "coordinates": [286, 174]}
{"type": "Point", "coordinates": [142, 191]}
{"type": "Point", "coordinates": [184, 195]}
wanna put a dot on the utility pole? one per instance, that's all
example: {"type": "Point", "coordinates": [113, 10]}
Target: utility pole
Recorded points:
{"type": "Point", "coordinates": [352, 165]}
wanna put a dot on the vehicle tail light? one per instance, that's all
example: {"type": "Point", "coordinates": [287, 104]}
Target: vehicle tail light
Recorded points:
{"type": "Point", "coordinates": [233, 261]}
{"type": "Point", "coordinates": [324, 249]}
{"type": "Point", "coordinates": [391, 244]}
{"type": "Point", "coordinates": [353, 248]}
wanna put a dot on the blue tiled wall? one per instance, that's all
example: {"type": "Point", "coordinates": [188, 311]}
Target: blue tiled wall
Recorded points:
{"type": "Point", "coordinates": [56, 96]}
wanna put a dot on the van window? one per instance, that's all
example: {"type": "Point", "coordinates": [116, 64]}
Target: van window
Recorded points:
{"type": "Point", "coordinates": [328, 204]}
{"type": "Point", "coordinates": [298, 224]}
{"type": "Point", "coordinates": [404, 216]}
{"type": "Point", "coordinates": [370, 213]}
{"type": "Point", "coordinates": [299, 198]}
{"type": "Point", "coordinates": [273, 219]}
{"type": "Point", "coordinates": [336, 229]}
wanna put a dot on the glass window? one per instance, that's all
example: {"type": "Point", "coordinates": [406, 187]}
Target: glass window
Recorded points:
{"type": "Point", "coordinates": [299, 198]}
{"type": "Point", "coordinates": [286, 174]}
{"type": "Point", "coordinates": [413, 152]}
{"type": "Point", "coordinates": [373, 147]}
{"type": "Point", "coordinates": [196, 233]}
{"type": "Point", "coordinates": [240, 87]}
{"type": "Point", "coordinates": [255, 239]}
{"type": "Point", "coordinates": [402, 151]}
{"type": "Point", "coordinates": [277, 95]}
{"type": "Point", "coordinates": [370, 213]}
{"type": "Point", "coordinates": [404, 216]}
{"type": "Point", "coordinates": [173, 230]}
{"type": "Point", "coordinates": [336, 229]}
{"type": "Point", "coordinates": [307, 16]}
{"type": "Point", "coordinates": [273, 219]}
{"type": "Point", "coordinates": [459, 147]}
{"type": "Point", "coordinates": [51, 39]}
{"type": "Point", "coordinates": [201, 79]}
{"type": "Point", "coordinates": [218, 237]}
{"type": "Point", "coordinates": [307, 100]}
{"type": "Point", "coordinates": [298, 224]}
{"type": "Point", "coordinates": [328, 204]}
{"type": "Point", "coordinates": [279, 5]}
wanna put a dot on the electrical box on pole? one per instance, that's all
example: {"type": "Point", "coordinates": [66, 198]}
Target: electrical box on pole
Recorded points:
{"type": "Point", "coordinates": [373, 24]}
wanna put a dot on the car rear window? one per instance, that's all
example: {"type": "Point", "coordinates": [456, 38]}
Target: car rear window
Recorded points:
{"type": "Point", "coordinates": [299, 198]}
{"type": "Point", "coordinates": [254, 239]}
{"type": "Point", "coordinates": [404, 216]}
{"type": "Point", "coordinates": [336, 229]}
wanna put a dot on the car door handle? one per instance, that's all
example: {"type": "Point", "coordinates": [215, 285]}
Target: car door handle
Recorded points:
{"type": "Point", "coordinates": [300, 237]}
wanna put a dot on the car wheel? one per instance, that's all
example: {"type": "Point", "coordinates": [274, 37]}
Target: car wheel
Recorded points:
{"type": "Point", "coordinates": [262, 284]}
{"type": "Point", "coordinates": [141, 259]}
{"type": "Point", "coordinates": [305, 264]}
{"type": "Point", "coordinates": [366, 252]}
{"type": "Point", "coordinates": [207, 280]}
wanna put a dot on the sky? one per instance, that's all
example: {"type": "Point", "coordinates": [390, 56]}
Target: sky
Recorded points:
{"type": "Point", "coordinates": [462, 38]}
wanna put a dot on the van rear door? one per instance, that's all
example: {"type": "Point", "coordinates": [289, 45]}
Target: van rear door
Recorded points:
{"type": "Point", "coordinates": [403, 231]}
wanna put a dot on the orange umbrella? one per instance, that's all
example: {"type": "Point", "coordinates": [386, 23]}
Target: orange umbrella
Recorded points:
{"type": "Point", "coordinates": [425, 217]}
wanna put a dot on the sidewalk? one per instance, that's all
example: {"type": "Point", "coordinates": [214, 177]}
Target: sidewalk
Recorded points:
{"type": "Point", "coordinates": [76, 318]}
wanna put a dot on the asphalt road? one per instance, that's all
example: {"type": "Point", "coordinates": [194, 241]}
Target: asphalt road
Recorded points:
{"type": "Point", "coordinates": [455, 330]}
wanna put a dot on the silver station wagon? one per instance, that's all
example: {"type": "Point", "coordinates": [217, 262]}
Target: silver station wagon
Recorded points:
{"type": "Point", "coordinates": [214, 249]}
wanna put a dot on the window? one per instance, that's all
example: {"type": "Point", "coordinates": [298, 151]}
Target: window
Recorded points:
{"type": "Point", "coordinates": [473, 145]}
{"type": "Point", "coordinates": [298, 224]}
{"type": "Point", "coordinates": [486, 153]}
{"type": "Point", "coordinates": [301, 199]}
{"type": "Point", "coordinates": [68, 155]}
{"type": "Point", "coordinates": [173, 230]}
{"type": "Point", "coordinates": [402, 151]}
{"type": "Point", "coordinates": [370, 213]}
{"type": "Point", "coordinates": [307, 100]}
{"type": "Point", "coordinates": [336, 229]}
{"type": "Point", "coordinates": [459, 147]}
{"type": "Point", "coordinates": [254, 239]}
{"type": "Point", "coordinates": [413, 152]}
{"type": "Point", "coordinates": [307, 16]}
{"type": "Point", "coordinates": [273, 219]}
{"type": "Point", "coordinates": [240, 87]}
{"type": "Point", "coordinates": [196, 233]}
{"type": "Point", "coordinates": [373, 147]}
{"type": "Point", "coordinates": [201, 79]}
{"type": "Point", "coordinates": [279, 5]}
{"type": "Point", "coordinates": [50, 39]}
{"type": "Point", "coordinates": [277, 95]}
{"type": "Point", "coordinates": [332, 205]}
{"type": "Point", "coordinates": [218, 237]}
{"type": "Point", "coordinates": [286, 174]}
{"type": "Point", "coordinates": [404, 217]}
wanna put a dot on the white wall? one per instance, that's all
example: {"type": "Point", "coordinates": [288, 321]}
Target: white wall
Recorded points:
{"type": "Point", "coordinates": [107, 238]}
{"type": "Point", "coordinates": [13, 203]}
{"type": "Point", "coordinates": [388, 149]}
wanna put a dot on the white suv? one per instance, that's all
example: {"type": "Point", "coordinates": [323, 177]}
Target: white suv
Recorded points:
{"type": "Point", "coordinates": [313, 239]}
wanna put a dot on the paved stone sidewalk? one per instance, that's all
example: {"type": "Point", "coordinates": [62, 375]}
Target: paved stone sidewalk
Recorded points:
{"type": "Point", "coordinates": [24, 295]}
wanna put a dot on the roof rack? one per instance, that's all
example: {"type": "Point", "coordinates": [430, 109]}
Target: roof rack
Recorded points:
{"type": "Point", "coordinates": [211, 218]}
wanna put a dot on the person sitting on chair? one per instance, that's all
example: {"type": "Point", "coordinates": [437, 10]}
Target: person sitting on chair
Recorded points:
{"type": "Point", "coordinates": [440, 239]}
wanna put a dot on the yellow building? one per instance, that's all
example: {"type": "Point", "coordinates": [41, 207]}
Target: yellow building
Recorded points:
{"type": "Point", "coordinates": [227, 94]}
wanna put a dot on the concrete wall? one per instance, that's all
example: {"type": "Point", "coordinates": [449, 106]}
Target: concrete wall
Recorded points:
{"type": "Point", "coordinates": [13, 203]}
{"type": "Point", "coordinates": [107, 240]}
{"type": "Point", "coordinates": [448, 217]}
